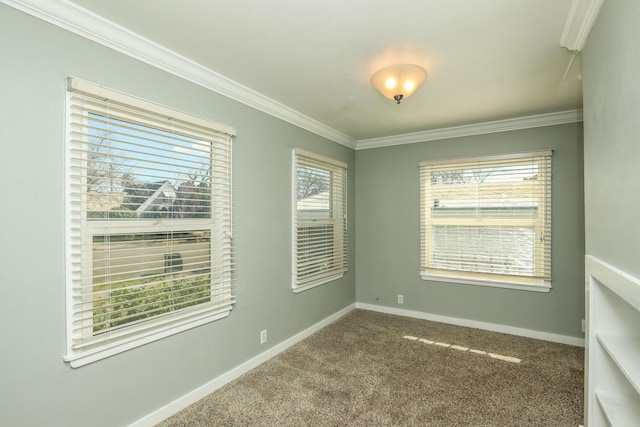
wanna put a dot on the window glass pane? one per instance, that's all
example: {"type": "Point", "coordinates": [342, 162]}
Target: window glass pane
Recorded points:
{"type": "Point", "coordinates": [138, 276]}
{"type": "Point", "coordinates": [134, 171]}
{"type": "Point", "coordinates": [499, 250]}
{"type": "Point", "coordinates": [315, 249]}
{"type": "Point", "coordinates": [313, 192]}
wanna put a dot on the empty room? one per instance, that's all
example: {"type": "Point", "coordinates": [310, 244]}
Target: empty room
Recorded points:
{"type": "Point", "coordinates": [297, 213]}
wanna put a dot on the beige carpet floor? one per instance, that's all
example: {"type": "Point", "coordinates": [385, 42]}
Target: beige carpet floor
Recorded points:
{"type": "Point", "coordinates": [373, 369]}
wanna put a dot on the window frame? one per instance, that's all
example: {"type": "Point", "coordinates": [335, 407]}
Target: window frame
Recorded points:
{"type": "Point", "coordinates": [337, 218]}
{"type": "Point", "coordinates": [83, 344]}
{"type": "Point", "coordinates": [540, 281]}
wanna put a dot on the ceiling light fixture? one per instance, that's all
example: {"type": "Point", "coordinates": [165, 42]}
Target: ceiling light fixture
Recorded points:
{"type": "Point", "coordinates": [398, 81]}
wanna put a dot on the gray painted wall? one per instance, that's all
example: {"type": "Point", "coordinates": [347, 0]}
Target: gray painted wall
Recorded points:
{"type": "Point", "coordinates": [611, 60]}
{"type": "Point", "coordinates": [36, 386]}
{"type": "Point", "coordinates": [387, 241]}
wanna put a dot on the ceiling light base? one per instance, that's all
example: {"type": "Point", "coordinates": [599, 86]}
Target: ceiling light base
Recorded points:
{"type": "Point", "coordinates": [398, 98]}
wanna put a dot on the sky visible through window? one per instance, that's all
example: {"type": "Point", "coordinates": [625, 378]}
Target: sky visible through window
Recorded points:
{"type": "Point", "coordinates": [146, 154]}
{"type": "Point", "coordinates": [139, 171]}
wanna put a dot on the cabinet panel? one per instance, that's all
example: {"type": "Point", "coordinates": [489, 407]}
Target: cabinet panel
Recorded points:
{"type": "Point", "coordinates": [613, 346]}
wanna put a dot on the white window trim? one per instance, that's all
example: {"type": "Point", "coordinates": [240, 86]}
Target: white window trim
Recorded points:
{"type": "Point", "coordinates": [542, 286]}
{"type": "Point", "coordinates": [164, 326]}
{"type": "Point", "coordinates": [319, 282]}
{"type": "Point", "coordinates": [297, 288]}
{"type": "Point", "coordinates": [77, 360]}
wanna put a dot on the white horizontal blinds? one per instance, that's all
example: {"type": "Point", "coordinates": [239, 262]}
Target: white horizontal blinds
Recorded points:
{"type": "Point", "coordinates": [150, 220]}
{"type": "Point", "coordinates": [487, 217]}
{"type": "Point", "coordinates": [223, 263]}
{"type": "Point", "coordinates": [320, 218]}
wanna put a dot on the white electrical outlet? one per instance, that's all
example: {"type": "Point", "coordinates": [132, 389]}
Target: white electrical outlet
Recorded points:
{"type": "Point", "coordinates": [400, 299]}
{"type": "Point", "coordinates": [263, 336]}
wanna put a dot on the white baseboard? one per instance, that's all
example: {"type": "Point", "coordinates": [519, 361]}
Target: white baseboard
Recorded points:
{"type": "Point", "coordinates": [213, 385]}
{"type": "Point", "coordinates": [529, 333]}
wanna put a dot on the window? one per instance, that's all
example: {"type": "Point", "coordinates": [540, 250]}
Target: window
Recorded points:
{"type": "Point", "coordinates": [319, 220]}
{"type": "Point", "coordinates": [487, 221]}
{"type": "Point", "coordinates": [149, 222]}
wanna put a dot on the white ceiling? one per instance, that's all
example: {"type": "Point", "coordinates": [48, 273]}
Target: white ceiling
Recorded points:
{"type": "Point", "coordinates": [487, 60]}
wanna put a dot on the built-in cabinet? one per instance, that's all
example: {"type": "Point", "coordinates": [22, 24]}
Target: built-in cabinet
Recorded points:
{"type": "Point", "coordinates": [613, 346]}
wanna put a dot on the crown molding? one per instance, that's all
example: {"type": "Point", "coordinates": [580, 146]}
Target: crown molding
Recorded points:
{"type": "Point", "coordinates": [527, 122]}
{"type": "Point", "coordinates": [581, 18]}
{"type": "Point", "coordinates": [84, 23]}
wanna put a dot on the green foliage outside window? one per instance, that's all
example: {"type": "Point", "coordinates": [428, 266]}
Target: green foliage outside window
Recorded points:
{"type": "Point", "coordinates": [132, 302]}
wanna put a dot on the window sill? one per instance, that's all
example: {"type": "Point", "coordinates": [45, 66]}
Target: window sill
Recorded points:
{"type": "Point", "coordinates": [77, 359]}
{"type": "Point", "coordinates": [544, 287]}
{"type": "Point", "coordinates": [322, 281]}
